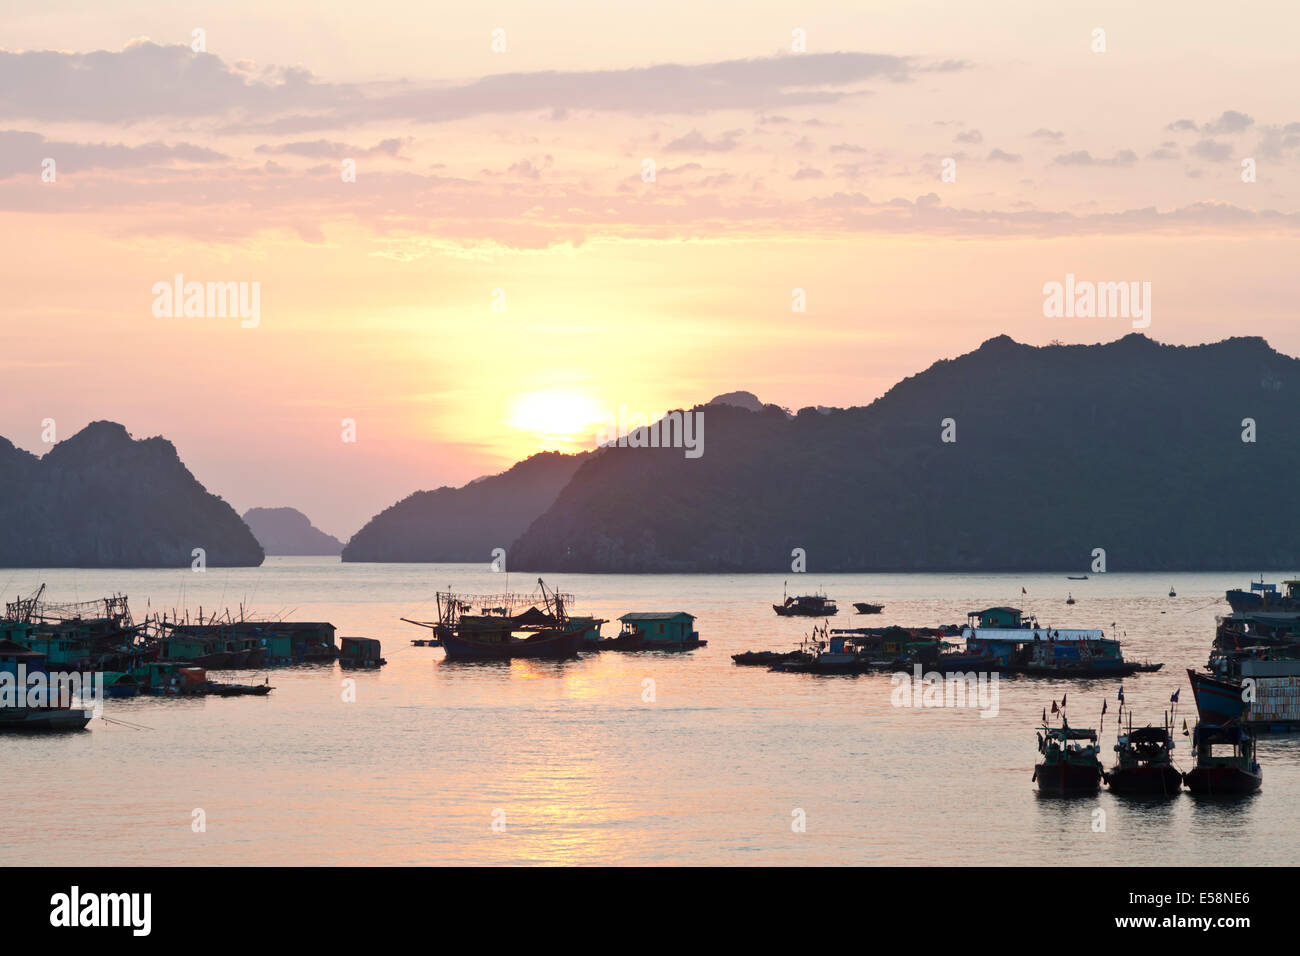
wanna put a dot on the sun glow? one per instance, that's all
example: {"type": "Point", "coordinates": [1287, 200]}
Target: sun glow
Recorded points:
{"type": "Point", "coordinates": [557, 419]}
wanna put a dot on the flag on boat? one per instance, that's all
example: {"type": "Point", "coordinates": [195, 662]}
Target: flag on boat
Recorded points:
{"type": "Point", "coordinates": [1044, 715]}
{"type": "Point", "coordinates": [1121, 693]}
{"type": "Point", "coordinates": [1054, 710]}
{"type": "Point", "coordinates": [1063, 696]}
{"type": "Point", "coordinates": [1184, 726]}
{"type": "Point", "coordinates": [1173, 699]}
{"type": "Point", "coordinates": [1023, 591]}
{"type": "Point", "coordinates": [1104, 702]}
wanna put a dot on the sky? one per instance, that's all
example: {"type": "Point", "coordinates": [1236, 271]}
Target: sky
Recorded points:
{"type": "Point", "coordinates": [478, 231]}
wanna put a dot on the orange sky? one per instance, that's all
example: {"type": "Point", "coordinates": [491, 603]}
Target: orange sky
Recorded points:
{"type": "Point", "coordinates": [523, 171]}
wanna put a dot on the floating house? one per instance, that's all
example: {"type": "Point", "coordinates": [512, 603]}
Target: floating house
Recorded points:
{"type": "Point", "coordinates": [660, 627]}
{"type": "Point", "coordinates": [360, 652]}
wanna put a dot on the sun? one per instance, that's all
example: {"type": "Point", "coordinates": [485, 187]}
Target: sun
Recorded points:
{"type": "Point", "coordinates": [557, 419]}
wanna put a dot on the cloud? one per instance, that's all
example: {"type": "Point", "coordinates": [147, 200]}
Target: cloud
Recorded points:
{"type": "Point", "coordinates": [1050, 134]}
{"type": "Point", "coordinates": [1004, 157]}
{"type": "Point", "coordinates": [147, 80]}
{"type": "Point", "coordinates": [1230, 122]}
{"type": "Point", "coordinates": [807, 172]}
{"type": "Point", "coordinates": [1182, 125]}
{"type": "Point", "coordinates": [324, 149]}
{"type": "Point", "coordinates": [23, 152]}
{"type": "Point", "coordinates": [1212, 149]}
{"type": "Point", "coordinates": [697, 142]}
{"type": "Point", "coordinates": [970, 136]}
{"type": "Point", "coordinates": [1081, 157]}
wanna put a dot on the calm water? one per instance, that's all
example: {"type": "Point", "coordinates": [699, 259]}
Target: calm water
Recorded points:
{"type": "Point", "coordinates": [586, 771]}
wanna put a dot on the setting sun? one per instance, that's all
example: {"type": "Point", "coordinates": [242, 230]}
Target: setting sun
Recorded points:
{"type": "Point", "coordinates": [558, 419]}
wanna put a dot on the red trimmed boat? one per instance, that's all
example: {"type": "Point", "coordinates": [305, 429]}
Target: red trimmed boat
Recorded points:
{"type": "Point", "coordinates": [1070, 763]}
{"type": "Point", "coordinates": [1224, 774]}
{"type": "Point", "coordinates": [1144, 763]}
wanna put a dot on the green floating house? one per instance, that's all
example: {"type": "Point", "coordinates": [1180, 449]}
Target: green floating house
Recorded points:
{"type": "Point", "coordinates": [660, 627]}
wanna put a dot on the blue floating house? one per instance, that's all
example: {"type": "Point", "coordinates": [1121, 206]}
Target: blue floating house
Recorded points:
{"type": "Point", "coordinates": [661, 628]}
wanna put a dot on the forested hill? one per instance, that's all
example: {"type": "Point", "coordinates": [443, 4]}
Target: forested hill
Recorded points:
{"type": "Point", "coordinates": [1131, 446]}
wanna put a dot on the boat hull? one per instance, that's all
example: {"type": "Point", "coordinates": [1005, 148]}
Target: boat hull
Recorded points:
{"type": "Point", "coordinates": [1217, 701]}
{"type": "Point", "coordinates": [1247, 602]}
{"type": "Point", "coordinates": [1222, 781]}
{"type": "Point", "coordinates": [35, 719]}
{"type": "Point", "coordinates": [1150, 780]}
{"type": "Point", "coordinates": [557, 646]}
{"type": "Point", "coordinates": [1067, 779]}
{"type": "Point", "coordinates": [796, 611]}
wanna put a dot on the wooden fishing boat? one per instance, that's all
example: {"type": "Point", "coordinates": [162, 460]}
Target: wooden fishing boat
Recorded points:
{"type": "Point", "coordinates": [1144, 762]}
{"type": "Point", "coordinates": [239, 690]}
{"type": "Point", "coordinates": [766, 658]}
{"type": "Point", "coordinates": [1070, 764]}
{"type": "Point", "coordinates": [503, 631]}
{"type": "Point", "coordinates": [806, 605]}
{"type": "Point", "coordinates": [862, 607]}
{"type": "Point", "coordinates": [1223, 774]}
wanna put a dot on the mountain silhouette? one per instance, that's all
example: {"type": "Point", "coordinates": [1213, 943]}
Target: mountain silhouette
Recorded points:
{"type": "Point", "coordinates": [289, 531]}
{"type": "Point", "coordinates": [465, 524]}
{"type": "Point", "coordinates": [101, 499]}
{"type": "Point", "coordinates": [1132, 447]}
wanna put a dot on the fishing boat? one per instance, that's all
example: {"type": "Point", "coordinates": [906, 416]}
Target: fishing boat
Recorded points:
{"type": "Point", "coordinates": [1074, 577]}
{"type": "Point", "coordinates": [1218, 700]}
{"type": "Point", "coordinates": [767, 658]}
{"type": "Point", "coordinates": [21, 663]}
{"type": "Point", "coordinates": [1069, 599]}
{"type": "Point", "coordinates": [1172, 592]}
{"type": "Point", "coordinates": [238, 690]}
{"type": "Point", "coordinates": [834, 653]}
{"type": "Point", "coordinates": [1144, 762]}
{"type": "Point", "coordinates": [1070, 764]}
{"type": "Point", "coordinates": [1265, 597]}
{"type": "Point", "coordinates": [806, 605]}
{"type": "Point", "coordinates": [862, 607]}
{"type": "Point", "coordinates": [1217, 773]}
{"type": "Point", "coordinates": [502, 631]}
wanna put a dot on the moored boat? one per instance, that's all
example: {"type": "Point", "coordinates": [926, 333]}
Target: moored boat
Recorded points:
{"type": "Point", "coordinates": [652, 631]}
{"type": "Point", "coordinates": [503, 632]}
{"type": "Point", "coordinates": [1144, 762]}
{"type": "Point", "coordinates": [806, 605]}
{"type": "Point", "coordinates": [1217, 773]}
{"type": "Point", "coordinates": [1001, 638]}
{"type": "Point", "coordinates": [1265, 598]}
{"type": "Point", "coordinates": [862, 607]}
{"type": "Point", "coordinates": [1070, 764]}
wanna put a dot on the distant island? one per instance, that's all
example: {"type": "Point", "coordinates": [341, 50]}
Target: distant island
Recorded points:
{"type": "Point", "coordinates": [288, 531]}
{"type": "Point", "coordinates": [101, 499]}
{"type": "Point", "coordinates": [1132, 447]}
{"type": "Point", "coordinates": [465, 524]}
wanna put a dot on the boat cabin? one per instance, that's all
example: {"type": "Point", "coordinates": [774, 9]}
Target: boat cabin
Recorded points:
{"type": "Point", "coordinates": [1042, 645]}
{"type": "Point", "coordinates": [13, 655]}
{"type": "Point", "coordinates": [662, 626]}
{"type": "Point", "coordinates": [1001, 617]}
